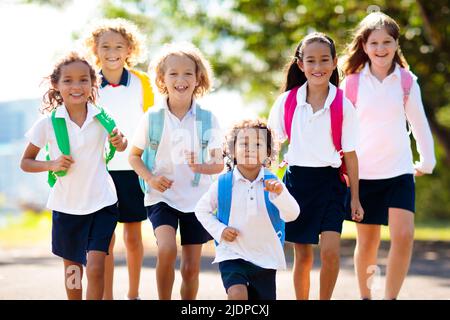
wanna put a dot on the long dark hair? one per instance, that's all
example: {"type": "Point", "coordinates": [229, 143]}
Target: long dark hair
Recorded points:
{"type": "Point", "coordinates": [296, 77]}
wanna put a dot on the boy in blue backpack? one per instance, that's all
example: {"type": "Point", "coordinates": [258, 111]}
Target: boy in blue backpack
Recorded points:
{"type": "Point", "coordinates": [252, 206]}
{"type": "Point", "coordinates": [83, 195]}
{"type": "Point", "coordinates": [170, 150]}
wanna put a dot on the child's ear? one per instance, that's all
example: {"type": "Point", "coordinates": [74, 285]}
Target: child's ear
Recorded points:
{"type": "Point", "coordinates": [335, 61]}
{"type": "Point", "coordinates": [300, 64]}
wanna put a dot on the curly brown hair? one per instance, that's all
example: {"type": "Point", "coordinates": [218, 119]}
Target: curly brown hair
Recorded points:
{"type": "Point", "coordinates": [52, 97]}
{"type": "Point", "coordinates": [203, 68]}
{"type": "Point", "coordinates": [129, 32]}
{"type": "Point", "coordinates": [231, 138]}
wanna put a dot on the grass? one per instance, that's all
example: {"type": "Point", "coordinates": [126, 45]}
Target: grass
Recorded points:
{"type": "Point", "coordinates": [30, 229]}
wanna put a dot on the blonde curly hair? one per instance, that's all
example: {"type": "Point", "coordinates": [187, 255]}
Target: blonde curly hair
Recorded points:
{"type": "Point", "coordinates": [204, 71]}
{"type": "Point", "coordinates": [129, 32]}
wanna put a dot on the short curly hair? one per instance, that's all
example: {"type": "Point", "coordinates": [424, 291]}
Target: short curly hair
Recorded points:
{"type": "Point", "coordinates": [231, 138]}
{"type": "Point", "coordinates": [127, 29]}
{"type": "Point", "coordinates": [203, 68]}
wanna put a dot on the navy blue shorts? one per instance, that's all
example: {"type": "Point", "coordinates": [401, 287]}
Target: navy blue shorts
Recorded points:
{"type": "Point", "coordinates": [321, 196]}
{"type": "Point", "coordinates": [75, 235]}
{"type": "Point", "coordinates": [260, 282]}
{"type": "Point", "coordinates": [131, 198]}
{"type": "Point", "coordinates": [191, 230]}
{"type": "Point", "coordinates": [377, 196]}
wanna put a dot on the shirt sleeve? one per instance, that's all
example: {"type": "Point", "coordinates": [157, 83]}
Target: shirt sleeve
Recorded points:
{"type": "Point", "coordinates": [204, 211]}
{"type": "Point", "coordinates": [415, 114]}
{"type": "Point", "coordinates": [286, 204]}
{"type": "Point", "coordinates": [38, 134]}
{"type": "Point", "coordinates": [276, 118]}
{"type": "Point", "coordinates": [140, 137]}
{"type": "Point", "coordinates": [349, 127]}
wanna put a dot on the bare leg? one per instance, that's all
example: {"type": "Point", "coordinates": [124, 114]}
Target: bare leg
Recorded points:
{"type": "Point", "coordinates": [165, 265]}
{"type": "Point", "coordinates": [135, 254]}
{"type": "Point", "coordinates": [365, 257]}
{"type": "Point", "coordinates": [303, 262]}
{"type": "Point", "coordinates": [237, 292]}
{"type": "Point", "coordinates": [190, 269]}
{"type": "Point", "coordinates": [109, 271]}
{"type": "Point", "coordinates": [329, 256]}
{"type": "Point", "coordinates": [95, 271]}
{"type": "Point", "coordinates": [73, 274]}
{"type": "Point", "coordinates": [401, 227]}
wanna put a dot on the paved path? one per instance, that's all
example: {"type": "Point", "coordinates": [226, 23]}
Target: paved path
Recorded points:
{"type": "Point", "coordinates": [33, 273]}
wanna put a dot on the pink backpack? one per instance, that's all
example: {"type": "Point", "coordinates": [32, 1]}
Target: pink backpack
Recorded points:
{"type": "Point", "coordinates": [352, 83]}
{"type": "Point", "coordinates": [337, 118]}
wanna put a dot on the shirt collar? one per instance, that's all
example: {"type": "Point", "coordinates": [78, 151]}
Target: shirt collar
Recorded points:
{"type": "Point", "coordinates": [124, 79]}
{"type": "Point", "coordinates": [366, 71]}
{"type": "Point", "coordinates": [302, 94]}
{"type": "Point", "coordinates": [92, 111]}
{"type": "Point", "coordinates": [237, 175]}
{"type": "Point", "coordinates": [192, 110]}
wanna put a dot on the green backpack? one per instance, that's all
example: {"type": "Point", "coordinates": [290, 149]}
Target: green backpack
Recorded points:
{"type": "Point", "coordinates": [62, 139]}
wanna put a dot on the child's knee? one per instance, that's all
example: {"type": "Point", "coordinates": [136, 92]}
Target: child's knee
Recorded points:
{"type": "Point", "coordinates": [95, 269]}
{"type": "Point", "coordinates": [190, 271]}
{"type": "Point", "coordinates": [329, 256]}
{"type": "Point", "coordinates": [237, 292]}
{"type": "Point", "coordinates": [167, 253]}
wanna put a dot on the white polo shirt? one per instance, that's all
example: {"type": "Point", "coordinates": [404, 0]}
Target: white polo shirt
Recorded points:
{"type": "Point", "coordinates": [384, 147]}
{"type": "Point", "coordinates": [177, 137]}
{"type": "Point", "coordinates": [87, 187]}
{"type": "Point", "coordinates": [124, 104]}
{"type": "Point", "coordinates": [257, 241]}
{"type": "Point", "coordinates": [311, 142]}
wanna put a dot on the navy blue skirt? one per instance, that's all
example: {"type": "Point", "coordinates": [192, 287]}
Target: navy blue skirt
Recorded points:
{"type": "Point", "coordinates": [377, 196]}
{"type": "Point", "coordinates": [321, 196]}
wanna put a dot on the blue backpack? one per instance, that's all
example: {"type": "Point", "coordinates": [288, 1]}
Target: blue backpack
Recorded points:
{"type": "Point", "coordinates": [156, 126]}
{"type": "Point", "coordinates": [224, 203]}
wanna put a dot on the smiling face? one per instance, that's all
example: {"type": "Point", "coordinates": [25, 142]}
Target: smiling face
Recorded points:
{"type": "Point", "coordinates": [180, 77]}
{"type": "Point", "coordinates": [380, 48]}
{"type": "Point", "coordinates": [251, 148]}
{"type": "Point", "coordinates": [74, 84]}
{"type": "Point", "coordinates": [112, 51]}
{"type": "Point", "coordinates": [317, 63]}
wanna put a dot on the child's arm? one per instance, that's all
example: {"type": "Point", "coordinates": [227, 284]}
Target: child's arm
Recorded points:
{"type": "Point", "coordinates": [421, 132]}
{"type": "Point", "coordinates": [213, 166]}
{"type": "Point", "coordinates": [204, 211]}
{"type": "Point", "coordinates": [282, 199]}
{"type": "Point", "coordinates": [118, 140]}
{"type": "Point", "coordinates": [30, 164]}
{"type": "Point", "coordinates": [351, 162]}
{"type": "Point", "coordinates": [160, 183]}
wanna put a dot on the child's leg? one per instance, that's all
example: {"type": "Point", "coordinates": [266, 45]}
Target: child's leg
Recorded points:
{"type": "Point", "coordinates": [190, 269]}
{"type": "Point", "coordinates": [237, 292]}
{"type": "Point", "coordinates": [303, 262]}
{"type": "Point", "coordinates": [329, 255]}
{"type": "Point", "coordinates": [109, 271]}
{"type": "Point", "coordinates": [165, 265]}
{"type": "Point", "coordinates": [73, 274]}
{"type": "Point", "coordinates": [95, 271]}
{"type": "Point", "coordinates": [135, 254]}
{"type": "Point", "coordinates": [365, 257]}
{"type": "Point", "coordinates": [401, 227]}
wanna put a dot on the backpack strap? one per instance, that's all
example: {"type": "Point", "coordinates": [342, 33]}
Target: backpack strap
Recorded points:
{"type": "Point", "coordinates": [62, 140]}
{"type": "Point", "coordinates": [156, 126]}
{"type": "Point", "coordinates": [337, 120]}
{"type": "Point", "coordinates": [109, 124]}
{"type": "Point", "coordinates": [289, 109]}
{"type": "Point", "coordinates": [225, 187]}
{"type": "Point", "coordinates": [407, 81]}
{"type": "Point", "coordinates": [351, 87]}
{"type": "Point", "coordinates": [274, 214]}
{"type": "Point", "coordinates": [147, 92]}
{"type": "Point", "coordinates": [203, 124]}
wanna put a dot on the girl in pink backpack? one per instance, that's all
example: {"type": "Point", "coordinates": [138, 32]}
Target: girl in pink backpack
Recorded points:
{"type": "Point", "coordinates": [321, 126]}
{"type": "Point", "coordinates": [385, 95]}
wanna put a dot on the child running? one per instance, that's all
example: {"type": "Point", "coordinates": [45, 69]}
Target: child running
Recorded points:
{"type": "Point", "coordinates": [252, 206]}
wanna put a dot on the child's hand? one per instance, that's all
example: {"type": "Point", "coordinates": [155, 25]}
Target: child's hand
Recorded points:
{"type": "Point", "coordinates": [63, 163]}
{"type": "Point", "coordinates": [273, 185]}
{"type": "Point", "coordinates": [418, 173]}
{"type": "Point", "coordinates": [191, 159]}
{"type": "Point", "coordinates": [229, 234]}
{"type": "Point", "coordinates": [160, 183]}
{"type": "Point", "coordinates": [118, 140]}
{"type": "Point", "coordinates": [357, 210]}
